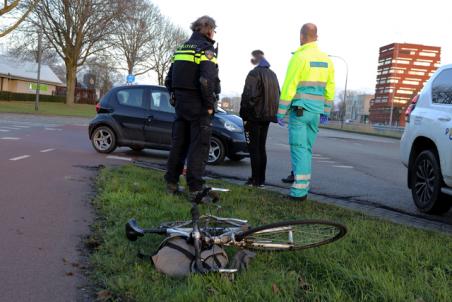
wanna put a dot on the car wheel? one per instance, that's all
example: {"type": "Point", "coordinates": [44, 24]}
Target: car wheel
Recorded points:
{"type": "Point", "coordinates": [236, 157]}
{"type": "Point", "coordinates": [426, 182]}
{"type": "Point", "coordinates": [103, 139]}
{"type": "Point", "coordinates": [217, 151]}
{"type": "Point", "coordinates": [137, 148]}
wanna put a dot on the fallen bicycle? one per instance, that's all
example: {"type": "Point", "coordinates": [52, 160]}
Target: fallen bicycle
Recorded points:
{"type": "Point", "coordinates": [196, 246]}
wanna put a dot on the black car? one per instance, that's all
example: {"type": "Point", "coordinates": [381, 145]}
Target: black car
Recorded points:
{"type": "Point", "coordinates": [141, 117]}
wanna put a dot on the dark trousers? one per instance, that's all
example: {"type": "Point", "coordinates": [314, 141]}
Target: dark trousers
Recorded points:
{"type": "Point", "coordinates": [256, 134]}
{"type": "Point", "coordinates": [190, 142]}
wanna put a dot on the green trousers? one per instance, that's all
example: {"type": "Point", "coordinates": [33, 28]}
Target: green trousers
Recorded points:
{"type": "Point", "coordinates": [302, 133]}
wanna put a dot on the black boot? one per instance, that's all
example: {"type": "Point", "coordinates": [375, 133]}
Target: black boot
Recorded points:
{"type": "Point", "coordinates": [174, 189]}
{"type": "Point", "coordinates": [289, 179]}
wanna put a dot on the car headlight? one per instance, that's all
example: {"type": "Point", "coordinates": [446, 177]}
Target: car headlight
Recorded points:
{"type": "Point", "coordinates": [230, 126]}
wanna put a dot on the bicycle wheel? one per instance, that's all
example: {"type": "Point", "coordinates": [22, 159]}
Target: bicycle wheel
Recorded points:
{"type": "Point", "coordinates": [291, 235]}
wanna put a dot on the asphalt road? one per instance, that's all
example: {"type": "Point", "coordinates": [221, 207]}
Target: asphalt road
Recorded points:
{"type": "Point", "coordinates": [45, 187]}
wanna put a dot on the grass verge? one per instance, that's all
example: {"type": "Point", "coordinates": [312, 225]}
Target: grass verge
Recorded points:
{"type": "Point", "coordinates": [376, 261]}
{"type": "Point", "coordinates": [80, 110]}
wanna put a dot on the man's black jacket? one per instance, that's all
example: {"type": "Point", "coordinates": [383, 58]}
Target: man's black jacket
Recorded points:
{"type": "Point", "coordinates": [260, 95]}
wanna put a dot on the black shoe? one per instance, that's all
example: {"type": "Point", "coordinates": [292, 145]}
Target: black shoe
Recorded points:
{"type": "Point", "coordinates": [302, 198]}
{"type": "Point", "coordinates": [289, 179]}
{"type": "Point", "coordinates": [174, 189]}
{"type": "Point", "coordinates": [249, 182]}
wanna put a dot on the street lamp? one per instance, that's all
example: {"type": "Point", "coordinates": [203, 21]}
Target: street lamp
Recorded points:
{"type": "Point", "coordinates": [346, 80]}
{"type": "Point", "coordinates": [38, 80]}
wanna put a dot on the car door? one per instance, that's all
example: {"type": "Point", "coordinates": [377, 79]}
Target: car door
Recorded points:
{"type": "Point", "coordinates": [442, 103]}
{"type": "Point", "coordinates": [158, 128]}
{"type": "Point", "coordinates": [131, 112]}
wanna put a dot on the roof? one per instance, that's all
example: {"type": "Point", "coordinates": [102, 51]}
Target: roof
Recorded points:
{"type": "Point", "coordinates": [26, 70]}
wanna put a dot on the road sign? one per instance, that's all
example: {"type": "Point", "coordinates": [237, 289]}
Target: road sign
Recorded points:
{"type": "Point", "coordinates": [130, 79]}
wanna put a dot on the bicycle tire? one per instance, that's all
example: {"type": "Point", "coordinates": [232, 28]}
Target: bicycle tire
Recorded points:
{"type": "Point", "coordinates": [337, 231]}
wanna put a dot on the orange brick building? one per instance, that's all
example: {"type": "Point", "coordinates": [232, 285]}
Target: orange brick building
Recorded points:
{"type": "Point", "coordinates": [403, 70]}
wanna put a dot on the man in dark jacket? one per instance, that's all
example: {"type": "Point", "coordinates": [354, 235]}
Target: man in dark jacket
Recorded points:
{"type": "Point", "coordinates": [258, 108]}
{"type": "Point", "coordinates": [193, 83]}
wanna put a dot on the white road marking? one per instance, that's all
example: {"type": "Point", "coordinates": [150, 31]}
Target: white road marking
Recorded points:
{"type": "Point", "coordinates": [119, 158]}
{"type": "Point", "coordinates": [10, 138]}
{"type": "Point", "coordinates": [19, 157]}
{"type": "Point", "coordinates": [3, 130]}
{"type": "Point", "coordinates": [18, 126]}
{"type": "Point", "coordinates": [47, 150]}
{"type": "Point", "coordinates": [327, 161]}
{"type": "Point", "coordinates": [11, 128]}
{"type": "Point", "coordinates": [344, 167]}
{"type": "Point", "coordinates": [320, 158]}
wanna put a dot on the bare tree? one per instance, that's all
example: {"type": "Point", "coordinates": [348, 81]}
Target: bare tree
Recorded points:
{"type": "Point", "coordinates": [20, 9]}
{"type": "Point", "coordinates": [162, 48]}
{"type": "Point", "coordinates": [76, 29]}
{"type": "Point", "coordinates": [137, 28]}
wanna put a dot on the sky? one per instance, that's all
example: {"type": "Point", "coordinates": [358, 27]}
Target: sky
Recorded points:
{"type": "Point", "coordinates": [353, 30]}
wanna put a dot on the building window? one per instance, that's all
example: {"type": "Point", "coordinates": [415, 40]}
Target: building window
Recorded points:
{"type": "Point", "coordinates": [442, 88]}
{"type": "Point", "coordinates": [400, 61]}
{"type": "Point", "coordinates": [416, 73]}
{"type": "Point", "coordinates": [417, 63]}
{"type": "Point", "coordinates": [410, 82]}
{"type": "Point", "coordinates": [427, 54]}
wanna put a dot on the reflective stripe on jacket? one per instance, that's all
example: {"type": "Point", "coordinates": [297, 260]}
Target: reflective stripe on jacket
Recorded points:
{"type": "Point", "coordinates": [309, 82]}
{"type": "Point", "coordinates": [194, 67]}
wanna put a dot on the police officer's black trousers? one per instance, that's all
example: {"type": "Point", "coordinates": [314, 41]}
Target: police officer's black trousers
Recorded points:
{"type": "Point", "coordinates": [191, 143]}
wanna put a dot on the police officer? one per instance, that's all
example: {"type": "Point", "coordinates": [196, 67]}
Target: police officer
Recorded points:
{"type": "Point", "coordinates": [194, 85]}
{"type": "Point", "coordinates": [307, 93]}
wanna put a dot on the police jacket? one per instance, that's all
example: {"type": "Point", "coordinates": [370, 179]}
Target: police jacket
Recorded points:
{"type": "Point", "coordinates": [309, 82]}
{"type": "Point", "coordinates": [260, 95]}
{"type": "Point", "coordinates": [194, 67]}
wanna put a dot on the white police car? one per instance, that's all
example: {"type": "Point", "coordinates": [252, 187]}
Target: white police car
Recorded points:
{"type": "Point", "coordinates": [426, 146]}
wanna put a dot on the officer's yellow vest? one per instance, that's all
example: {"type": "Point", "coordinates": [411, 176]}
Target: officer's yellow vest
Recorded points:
{"type": "Point", "coordinates": [309, 82]}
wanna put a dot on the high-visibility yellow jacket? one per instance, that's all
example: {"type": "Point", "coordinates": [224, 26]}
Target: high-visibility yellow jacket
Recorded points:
{"type": "Point", "coordinates": [309, 82]}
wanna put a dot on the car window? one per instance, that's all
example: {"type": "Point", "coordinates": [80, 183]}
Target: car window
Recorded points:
{"type": "Point", "coordinates": [442, 88]}
{"type": "Point", "coordinates": [133, 97]}
{"type": "Point", "coordinates": [160, 101]}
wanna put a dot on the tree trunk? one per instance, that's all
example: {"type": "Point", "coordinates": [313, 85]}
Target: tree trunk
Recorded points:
{"type": "Point", "coordinates": [71, 79]}
{"type": "Point", "coordinates": [160, 78]}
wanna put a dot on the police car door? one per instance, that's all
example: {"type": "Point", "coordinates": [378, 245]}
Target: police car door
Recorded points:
{"type": "Point", "coordinates": [158, 129]}
{"type": "Point", "coordinates": [442, 102]}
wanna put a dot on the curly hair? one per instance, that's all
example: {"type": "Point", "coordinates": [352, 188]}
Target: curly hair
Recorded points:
{"type": "Point", "coordinates": [202, 23]}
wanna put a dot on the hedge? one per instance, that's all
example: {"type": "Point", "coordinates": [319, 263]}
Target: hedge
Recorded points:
{"type": "Point", "coordinates": [27, 97]}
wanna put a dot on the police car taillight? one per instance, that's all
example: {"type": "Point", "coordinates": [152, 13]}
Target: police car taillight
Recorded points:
{"type": "Point", "coordinates": [98, 107]}
{"type": "Point", "coordinates": [411, 108]}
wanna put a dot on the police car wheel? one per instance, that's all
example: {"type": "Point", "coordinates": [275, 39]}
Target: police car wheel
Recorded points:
{"type": "Point", "coordinates": [426, 182]}
{"type": "Point", "coordinates": [217, 151]}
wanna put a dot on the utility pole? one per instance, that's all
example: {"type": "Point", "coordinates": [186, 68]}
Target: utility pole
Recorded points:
{"type": "Point", "coordinates": [345, 89]}
{"type": "Point", "coordinates": [38, 82]}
